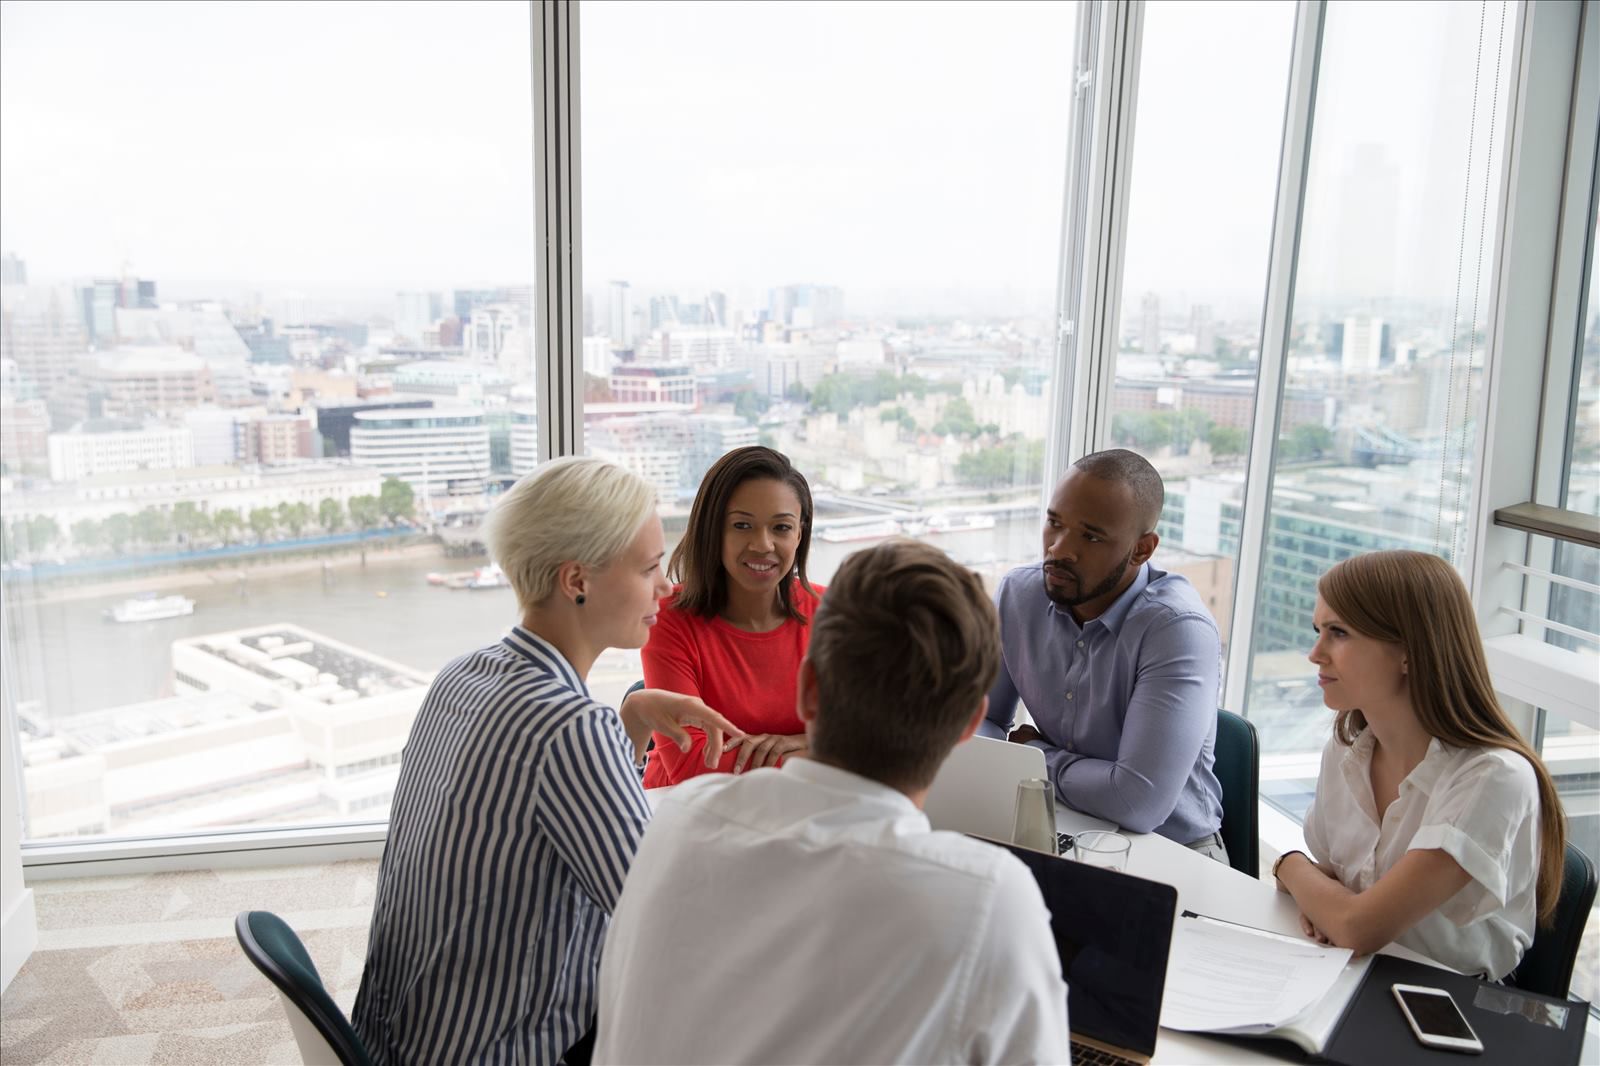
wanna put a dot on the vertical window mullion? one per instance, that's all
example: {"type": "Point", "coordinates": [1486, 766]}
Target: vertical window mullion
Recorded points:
{"type": "Point", "coordinates": [558, 228]}
{"type": "Point", "coordinates": [1277, 322]}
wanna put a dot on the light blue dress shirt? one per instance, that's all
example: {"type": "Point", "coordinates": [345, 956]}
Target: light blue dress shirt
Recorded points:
{"type": "Point", "coordinates": [1127, 703]}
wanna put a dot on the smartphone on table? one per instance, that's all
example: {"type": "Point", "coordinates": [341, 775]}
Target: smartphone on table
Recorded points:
{"type": "Point", "coordinates": [1435, 1019]}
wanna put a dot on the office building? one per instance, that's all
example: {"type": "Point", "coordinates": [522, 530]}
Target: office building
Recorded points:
{"type": "Point", "coordinates": [115, 446]}
{"type": "Point", "coordinates": [524, 440]}
{"type": "Point", "coordinates": [13, 271]}
{"type": "Point", "coordinates": [24, 435]}
{"type": "Point", "coordinates": [1150, 324]}
{"type": "Point", "coordinates": [1365, 345]}
{"type": "Point", "coordinates": [619, 315]}
{"type": "Point", "coordinates": [667, 383]}
{"type": "Point", "coordinates": [442, 451]}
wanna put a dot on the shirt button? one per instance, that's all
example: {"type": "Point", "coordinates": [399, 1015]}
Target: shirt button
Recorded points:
{"type": "Point", "coordinates": [1080, 643]}
{"type": "Point", "coordinates": [1069, 695]}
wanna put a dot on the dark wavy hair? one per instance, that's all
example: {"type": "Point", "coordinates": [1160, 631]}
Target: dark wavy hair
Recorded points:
{"type": "Point", "coordinates": [697, 560]}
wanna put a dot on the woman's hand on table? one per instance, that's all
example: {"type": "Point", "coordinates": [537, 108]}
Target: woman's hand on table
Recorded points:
{"type": "Point", "coordinates": [653, 710]}
{"type": "Point", "coordinates": [1312, 931]}
{"type": "Point", "coordinates": [767, 749]}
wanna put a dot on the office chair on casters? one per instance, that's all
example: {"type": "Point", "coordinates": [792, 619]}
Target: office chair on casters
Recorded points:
{"type": "Point", "coordinates": [1238, 768]}
{"type": "Point", "coordinates": [1547, 965]}
{"type": "Point", "coordinates": [321, 1030]}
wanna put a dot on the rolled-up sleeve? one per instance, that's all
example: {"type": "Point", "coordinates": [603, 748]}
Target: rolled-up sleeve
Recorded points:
{"type": "Point", "coordinates": [1171, 712]}
{"type": "Point", "coordinates": [1476, 819]}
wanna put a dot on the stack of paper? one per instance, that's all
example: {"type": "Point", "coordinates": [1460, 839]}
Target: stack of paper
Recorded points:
{"type": "Point", "coordinates": [1226, 978]}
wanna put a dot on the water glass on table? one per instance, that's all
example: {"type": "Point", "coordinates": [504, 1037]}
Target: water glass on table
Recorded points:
{"type": "Point", "coordinates": [1102, 848]}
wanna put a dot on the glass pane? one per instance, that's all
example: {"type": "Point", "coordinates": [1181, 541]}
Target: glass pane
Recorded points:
{"type": "Point", "coordinates": [1583, 479]}
{"type": "Point", "coordinates": [267, 316]}
{"type": "Point", "coordinates": [1569, 753]}
{"type": "Point", "coordinates": [828, 244]}
{"type": "Point", "coordinates": [1382, 382]}
{"type": "Point", "coordinates": [1213, 79]}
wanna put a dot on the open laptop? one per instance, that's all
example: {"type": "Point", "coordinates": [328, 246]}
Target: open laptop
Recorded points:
{"type": "Point", "coordinates": [1113, 932]}
{"type": "Point", "coordinates": [976, 789]}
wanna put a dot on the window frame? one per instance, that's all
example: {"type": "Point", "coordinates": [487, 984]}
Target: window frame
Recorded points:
{"type": "Point", "coordinates": [1512, 442]}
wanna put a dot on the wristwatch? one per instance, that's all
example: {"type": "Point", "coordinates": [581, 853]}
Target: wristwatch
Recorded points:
{"type": "Point", "coordinates": [1285, 855]}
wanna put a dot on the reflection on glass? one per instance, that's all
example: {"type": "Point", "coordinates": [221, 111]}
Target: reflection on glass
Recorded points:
{"type": "Point", "coordinates": [1387, 347]}
{"type": "Point", "coordinates": [1583, 478]}
{"type": "Point", "coordinates": [267, 328]}
{"type": "Point", "coordinates": [825, 243]}
{"type": "Point", "coordinates": [1212, 85]}
{"type": "Point", "coordinates": [1569, 752]}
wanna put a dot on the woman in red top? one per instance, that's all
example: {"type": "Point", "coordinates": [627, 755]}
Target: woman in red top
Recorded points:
{"type": "Point", "coordinates": [734, 631]}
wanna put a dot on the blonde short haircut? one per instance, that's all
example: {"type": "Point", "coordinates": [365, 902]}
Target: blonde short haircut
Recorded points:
{"type": "Point", "coordinates": [568, 510]}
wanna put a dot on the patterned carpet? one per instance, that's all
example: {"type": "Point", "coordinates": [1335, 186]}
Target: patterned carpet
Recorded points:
{"type": "Point", "coordinates": [145, 969]}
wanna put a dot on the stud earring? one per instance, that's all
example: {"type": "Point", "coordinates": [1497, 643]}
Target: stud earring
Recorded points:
{"type": "Point", "coordinates": [581, 599]}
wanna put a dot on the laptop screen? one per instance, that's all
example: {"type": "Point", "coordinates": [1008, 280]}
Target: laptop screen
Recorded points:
{"type": "Point", "coordinates": [1113, 933]}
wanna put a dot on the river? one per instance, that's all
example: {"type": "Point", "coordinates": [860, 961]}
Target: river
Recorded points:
{"type": "Point", "coordinates": [69, 660]}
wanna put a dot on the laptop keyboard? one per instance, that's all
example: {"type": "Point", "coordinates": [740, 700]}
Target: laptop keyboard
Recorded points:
{"type": "Point", "coordinates": [1085, 1055]}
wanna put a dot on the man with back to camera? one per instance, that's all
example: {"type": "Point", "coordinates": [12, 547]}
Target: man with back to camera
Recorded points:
{"type": "Point", "coordinates": [1116, 661]}
{"type": "Point", "coordinates": [809, 913]}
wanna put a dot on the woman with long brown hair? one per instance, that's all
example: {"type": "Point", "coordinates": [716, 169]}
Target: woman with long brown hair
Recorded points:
{"type": "Point", "coordinates": [1434, 823]}
{"type": "Point", "coordinates": [735, 628]}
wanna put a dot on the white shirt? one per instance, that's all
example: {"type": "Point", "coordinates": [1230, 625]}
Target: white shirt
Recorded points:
{"type": "Point", "coordinates": [810, 915]}
{"type": "Point", "coordinates": [1478, 805]}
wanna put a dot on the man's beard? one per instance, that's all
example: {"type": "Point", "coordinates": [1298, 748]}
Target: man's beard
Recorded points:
{"type": "Point", "coordinates": [1062, 599]}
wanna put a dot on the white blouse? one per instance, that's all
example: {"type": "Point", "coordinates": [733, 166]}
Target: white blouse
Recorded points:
{"type": "Point", "coordinates": [1478, 805]}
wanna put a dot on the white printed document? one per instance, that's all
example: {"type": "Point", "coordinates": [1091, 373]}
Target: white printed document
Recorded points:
{"type": "Point", "coordinates": [1223, 977]}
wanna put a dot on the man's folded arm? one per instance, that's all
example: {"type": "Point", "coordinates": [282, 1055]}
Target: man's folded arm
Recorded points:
{"type": "Point", "coordinates": [1170, 713]}
{"type": "Point", "coordinates": [1002, 706]}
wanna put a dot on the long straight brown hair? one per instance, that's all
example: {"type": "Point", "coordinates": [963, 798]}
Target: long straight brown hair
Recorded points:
{"type": "Point", "coordinates": [697, 560]}
{"type": "Point", "coordinates": [1418, 601]}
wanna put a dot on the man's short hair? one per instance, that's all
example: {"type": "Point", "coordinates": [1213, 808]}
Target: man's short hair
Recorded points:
{"type": "Point", "coordinates": [905, 646]}
{"type": "Point", "coordinates": [1134, 471]}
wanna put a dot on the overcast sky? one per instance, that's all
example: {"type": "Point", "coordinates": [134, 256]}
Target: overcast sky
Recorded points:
{"type": "Point", "coordinates": [908, 153]}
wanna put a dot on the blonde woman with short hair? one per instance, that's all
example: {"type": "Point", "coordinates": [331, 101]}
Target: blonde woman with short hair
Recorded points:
{"type": "Point", "coordinates": [519, 806]}
{"type": "Point", "coordinates": [1434, 825]}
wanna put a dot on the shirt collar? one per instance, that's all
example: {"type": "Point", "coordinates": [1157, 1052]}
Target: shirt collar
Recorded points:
{"type": "Point", "coordinates": [1112, 617]}
{"type": "Point", "coordinates": [832, 777]}
{"type": "Point", "coordinates": [1358, 761]}
{"type": "Point", "coordinates": [543, 654]}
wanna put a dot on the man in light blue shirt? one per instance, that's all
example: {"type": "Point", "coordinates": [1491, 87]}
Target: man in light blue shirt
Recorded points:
{"type": "Point", "coordinates": [1116, 661]}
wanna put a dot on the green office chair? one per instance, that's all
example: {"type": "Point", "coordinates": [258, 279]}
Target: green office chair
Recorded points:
{"type": "Point", "coordinates": [1238, 768]}
{"type": "Point", "coordinates": [1547, 965]}
{"type": "Point", "coordinates": [321, 1030]}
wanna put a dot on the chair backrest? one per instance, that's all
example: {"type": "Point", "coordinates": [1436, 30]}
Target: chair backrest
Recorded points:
{"type": "Point", "coordinates": [1547, 964]}
{"type": "Point", "coordinates": [1238, 769]}
{"type": "Point", "coordinates": [272, 946]}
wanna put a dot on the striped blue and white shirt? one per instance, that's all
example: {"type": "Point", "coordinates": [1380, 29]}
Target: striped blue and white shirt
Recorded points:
{"type": "Point", "coordinates": [517, 813]}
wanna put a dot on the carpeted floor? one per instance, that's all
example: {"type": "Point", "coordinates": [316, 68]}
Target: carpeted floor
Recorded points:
{"type": "Point", "coordinates": [145, 969]}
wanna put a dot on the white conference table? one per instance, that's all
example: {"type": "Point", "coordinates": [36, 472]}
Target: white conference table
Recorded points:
{"type": "Point", "coordinates": [1211, 888]}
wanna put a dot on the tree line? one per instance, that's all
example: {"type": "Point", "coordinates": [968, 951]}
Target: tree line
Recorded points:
{"type": "Point", "coordinates": [187, 525]}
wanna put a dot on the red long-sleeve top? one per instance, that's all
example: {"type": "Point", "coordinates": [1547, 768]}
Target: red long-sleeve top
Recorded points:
{"type": "Point", "coordinates": [748, 677]}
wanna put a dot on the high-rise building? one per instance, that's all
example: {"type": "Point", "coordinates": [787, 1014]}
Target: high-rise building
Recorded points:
{"type": "Point", "coordinates": [619, 316]}
{"type": "Point", "coordinates": [13, 271]}
{"type": "Point", "coordinates": [597, 357]}
{"type": "Point", "coordinates": [99, 301]}
{"type": "Point", "coordinates": [806, 306]}
{"type": "Point", "coordinates": [1205, 332]}
{"type": "Point", "coordinates": [1366, 344]}
{"type": "Point", "coordinates": [1150, 324]}
{"type": "Point", "coordinates": [416, 313]}
{"type": "Point", "coordinates": [717, 309]}
{"type": "Point", "coordinates": [41, 334]}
